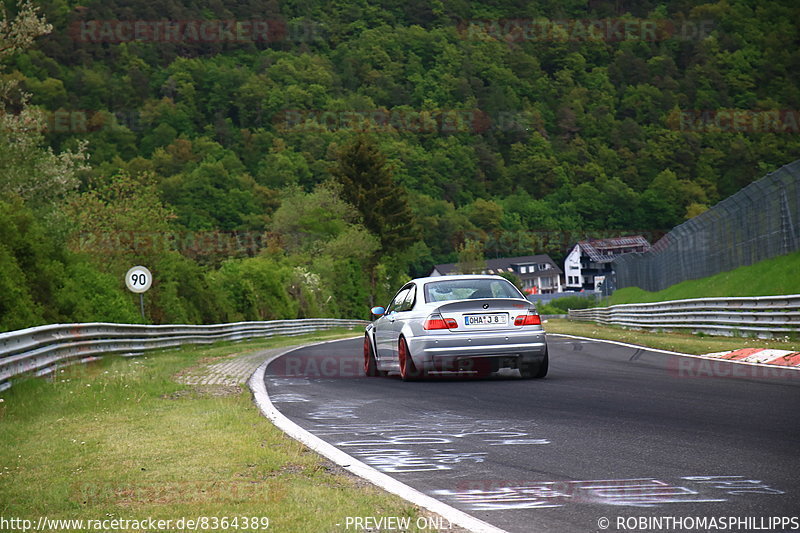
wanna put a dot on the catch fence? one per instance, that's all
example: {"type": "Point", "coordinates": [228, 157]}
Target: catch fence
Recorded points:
{"type": "Point", "coordinates": [759, 222]}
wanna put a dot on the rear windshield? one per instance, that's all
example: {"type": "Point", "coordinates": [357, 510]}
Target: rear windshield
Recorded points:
{"type": "Point", "coordinates": [469, 289]}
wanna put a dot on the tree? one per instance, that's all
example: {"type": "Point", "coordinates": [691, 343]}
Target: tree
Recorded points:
{"type": "Point", "coordinates": [28, 168]}
{"type": "Point", "coordinates": [20, 32]}
{"type": "Point", "coordinates": [470, 258]}
{"type": "Point", "coordinates": [122, 222]}
{"type": "Point", "coordinates": [513, 278]}
{"type": "Point", "coordinates": [322, 235]}
{"type": "Point", "coordinates": [125, 213]}
{"type": "Point", "coordinates": [256, 288]}
{"type": "Point", "coordinates": [485, 214]}
{"type": "Point", "coordinates": [367, 184]}
{"type": "Point", "coordinates": [504, 143]}
{"type": "Point", "coordinates": [306, 223]}
{"type": "Point", "coordinates": [40, 280]}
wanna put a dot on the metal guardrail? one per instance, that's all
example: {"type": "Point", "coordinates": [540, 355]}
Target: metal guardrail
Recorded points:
{"type": "Point", "coordinates": [765, 316]}
{"type": "Point", "coordinates": [43, 349]}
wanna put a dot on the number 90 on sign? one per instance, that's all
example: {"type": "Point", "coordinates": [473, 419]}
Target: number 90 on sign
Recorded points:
{"type": "Point", "coordinates": [138, 279]}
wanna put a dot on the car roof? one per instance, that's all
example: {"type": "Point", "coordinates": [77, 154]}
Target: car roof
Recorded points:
{"type": "Point", "coordinates": [456, 277]}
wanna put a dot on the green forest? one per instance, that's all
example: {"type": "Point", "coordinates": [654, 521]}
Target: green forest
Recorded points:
{"type": "Point", "coordinates": [294, 159]}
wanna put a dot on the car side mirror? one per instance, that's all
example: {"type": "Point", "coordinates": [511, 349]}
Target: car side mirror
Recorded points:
{"type": "Point", "coordinates": [378, 311]}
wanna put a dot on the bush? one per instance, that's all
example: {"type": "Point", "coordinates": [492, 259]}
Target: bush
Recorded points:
{"type": "Point", "coordinates": [560, 306]}
{"type": "Point", "coordinates": [17, 308]}
{"type": "Point", "coordinates": [346, 282]}
{"type": "Point", "coordinates": [256, 289]}
{"type": "Point", "coordinates": [88, 295]}
{"type": "Point", "coordinates": [183, 294]}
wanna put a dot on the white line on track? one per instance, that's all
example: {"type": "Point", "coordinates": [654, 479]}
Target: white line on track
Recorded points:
{"type": "Point", "coordinates": [454, 516]}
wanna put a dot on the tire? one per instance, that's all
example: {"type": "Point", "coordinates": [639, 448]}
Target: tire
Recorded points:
{"type": "Point", "coordinates": [536, 370]}
{"type": "Point", "coordinates": [408, 370]}
{"type": "Point", "coordinates": [370, 364]}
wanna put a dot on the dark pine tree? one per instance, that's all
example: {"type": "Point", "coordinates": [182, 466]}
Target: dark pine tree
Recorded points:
{"type": "Point", "coordinates": [367, 184]}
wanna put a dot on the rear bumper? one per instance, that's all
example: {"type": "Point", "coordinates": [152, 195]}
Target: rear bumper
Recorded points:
{"type": "Point", "coordinates": [431, 352]}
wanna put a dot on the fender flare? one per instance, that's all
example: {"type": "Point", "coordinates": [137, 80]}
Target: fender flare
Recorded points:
{"type": "Point", "coordinates": [408, 333]}
{"type": "Point", "coordinates": [369, 331]}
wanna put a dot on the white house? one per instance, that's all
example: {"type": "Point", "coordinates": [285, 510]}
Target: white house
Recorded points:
{"type": "Point", "coordinates": [589, 263]}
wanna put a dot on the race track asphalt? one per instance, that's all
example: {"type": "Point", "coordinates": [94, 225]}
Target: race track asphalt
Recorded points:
{"type": "Point", "coordinates": [613, 433]}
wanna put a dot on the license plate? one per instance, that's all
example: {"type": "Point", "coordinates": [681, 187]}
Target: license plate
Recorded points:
{"type": "Point", "coordinates": [497, 319]}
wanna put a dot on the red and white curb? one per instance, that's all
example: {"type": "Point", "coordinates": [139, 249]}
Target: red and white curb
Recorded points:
{"type": "Point", "coordinates": [759, 355]}
{"type": "Point", "coordinates": [351, 464]}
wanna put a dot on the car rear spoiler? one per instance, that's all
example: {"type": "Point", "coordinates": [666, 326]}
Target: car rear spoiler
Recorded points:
{"type": "Point", "coordinates": [492, 304]}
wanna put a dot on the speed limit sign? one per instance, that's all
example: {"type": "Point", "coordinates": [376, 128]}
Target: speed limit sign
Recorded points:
{"type": "Point", "coordinates": [138, 279]}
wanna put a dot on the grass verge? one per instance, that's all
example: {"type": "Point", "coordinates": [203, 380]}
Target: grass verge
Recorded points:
{"type": "Point", "coordinates": [766, 278]}
{"type": "Point", "coordinates": [676, 342]}
{"type": "Point", "coordinates": [122, 439]}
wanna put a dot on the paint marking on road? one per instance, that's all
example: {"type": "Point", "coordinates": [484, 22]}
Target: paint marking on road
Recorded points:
{"type": "Point", "coordinates": [497, 495]}
{"type": "Point", "coordinates": [262, 399]}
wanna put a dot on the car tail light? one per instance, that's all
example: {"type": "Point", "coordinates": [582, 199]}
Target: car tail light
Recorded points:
{"type": "Point", "coordinates": [530, 319]}
{"type": "Point", "coordinates": [435, 321]}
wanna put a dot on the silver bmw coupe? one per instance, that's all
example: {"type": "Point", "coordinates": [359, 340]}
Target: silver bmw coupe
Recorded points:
{"type": "Point", "coordinates": [468, 323]}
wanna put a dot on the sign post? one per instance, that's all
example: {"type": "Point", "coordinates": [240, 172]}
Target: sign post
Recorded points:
{"type": "Point", "coordinates": [138, 280]}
